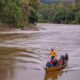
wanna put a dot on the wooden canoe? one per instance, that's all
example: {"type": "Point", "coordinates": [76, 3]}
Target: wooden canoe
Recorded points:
{"type": "Point", "coordinates": [51, 69]}
{"type": "Point", "coordinates": [56, 68]}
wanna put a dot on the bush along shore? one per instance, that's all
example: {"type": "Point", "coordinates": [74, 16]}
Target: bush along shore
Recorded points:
{"type": "Point", "coordinates": [18, 14]}
{"type": "Point", "coordinates": [60, 12]}
{"type": "Point", "coordinates": [24, 14]}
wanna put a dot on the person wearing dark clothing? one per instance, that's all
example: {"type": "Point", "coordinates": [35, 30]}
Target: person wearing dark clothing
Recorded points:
{"type": "Point", "coordinates": [55, 62]}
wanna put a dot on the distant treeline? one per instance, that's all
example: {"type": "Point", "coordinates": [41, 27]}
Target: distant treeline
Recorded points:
{"type": "Point", "coordinates": [19, 12]}
{"type": "Point", "coordinates": [68, 13]}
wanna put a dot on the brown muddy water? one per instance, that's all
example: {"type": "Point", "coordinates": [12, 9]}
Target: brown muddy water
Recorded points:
{"type": "Point", "coordinates": [23, 54]}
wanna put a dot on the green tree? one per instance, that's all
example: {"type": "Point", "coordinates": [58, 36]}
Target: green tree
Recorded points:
{"type": "Point", "coordinates": [77, 2]}
{"type": "Point", "coordinates": [19, 12]}
{"type": "Point", "coordinates": [33, 11]}
{"type": "Point", "coordinates": [10, 13]}
{"type": "Point", "coordinates": [77, 18]}
{"type": "Point", "coordinates": [32, 16]}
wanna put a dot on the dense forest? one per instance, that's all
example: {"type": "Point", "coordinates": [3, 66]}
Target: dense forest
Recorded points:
{"type": "Point", "coordinates": [20, 13]}
{"type": "Point", "coordinates": [60, 12]}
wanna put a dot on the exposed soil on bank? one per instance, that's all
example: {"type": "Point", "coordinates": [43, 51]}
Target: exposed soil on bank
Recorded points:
{"type": "Point", "coordinates": [8, 27]}
{"type": "Point", "coordinates": [38, 26]}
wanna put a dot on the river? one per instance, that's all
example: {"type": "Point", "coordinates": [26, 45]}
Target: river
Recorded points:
{"type": "Point", "coordinates": [23, 54]}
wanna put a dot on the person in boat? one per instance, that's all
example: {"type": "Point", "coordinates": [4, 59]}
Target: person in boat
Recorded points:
{"type": "Point", "coordinates": [55, 62]}
{"type": "Point", "coordinates": [59, 61]}
{"type": "Point", "coordinates": [64, 58]}
{"type": "Point", "coordinates": [51, 63]}
{"type": "Point", "coordinates": [53, 54]}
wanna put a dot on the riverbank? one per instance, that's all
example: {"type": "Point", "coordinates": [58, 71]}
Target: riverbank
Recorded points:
{"type": "Point", "coordinates": [32, 27]}
{"type": "Point", "coordinates": [9, 27]}
{"type": "Point", "coordinates": [43, 25]}
{"type": "Point", "coordinates": [24, 53]}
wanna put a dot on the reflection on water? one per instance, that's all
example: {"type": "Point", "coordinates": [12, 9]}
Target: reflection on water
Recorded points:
{"type": "Point", "coordinates": [16, 62]}
{"type": "Point", "coordinates": [7, 62]}
{"type": "Point", "coordinates": [53, 75]}
{"type": "Point", "coordinates": [23, 54]}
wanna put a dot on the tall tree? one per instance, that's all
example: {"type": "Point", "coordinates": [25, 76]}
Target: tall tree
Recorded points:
{"type": "Point", "coordinates": [33, 11]}
{"type": "Point", "coordinates": [77, 4]}
{"type": "Point", "coordinates": [18, 12]}
{"type": "Point", "coordinates": [10, 12]}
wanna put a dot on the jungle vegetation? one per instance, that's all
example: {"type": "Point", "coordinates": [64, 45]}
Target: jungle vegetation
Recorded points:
{"type": "Point", "coordinates": [20, 13]}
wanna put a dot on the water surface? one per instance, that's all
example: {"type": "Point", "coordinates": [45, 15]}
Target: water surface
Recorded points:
{"type": "Point", "coordinates": [23, 54]}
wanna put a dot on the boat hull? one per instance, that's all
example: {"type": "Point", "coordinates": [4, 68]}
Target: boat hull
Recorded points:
{"type": "Point", "coordinates": [56, 68]}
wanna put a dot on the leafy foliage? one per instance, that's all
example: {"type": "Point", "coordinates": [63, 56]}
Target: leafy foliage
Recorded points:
{"type": "Point", "coordinates": [32, 17]}
{"type": "Point", "coordinates": [60, 13]}
{"type": "Point", "coordinates": [77, 18]}
{"type": "Point", "coordinates": [18, 12]}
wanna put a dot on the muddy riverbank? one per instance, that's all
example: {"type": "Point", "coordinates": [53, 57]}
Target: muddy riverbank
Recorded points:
{"type": "Point", "coordinates": [23, 53]}
{"type": "Point", "coordinates": [8, 27]}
